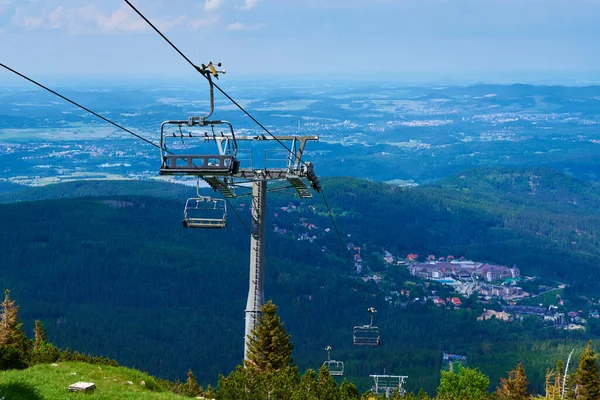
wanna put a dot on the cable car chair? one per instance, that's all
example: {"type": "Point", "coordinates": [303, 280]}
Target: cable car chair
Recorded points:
{"type": "Point", "coordinates": [204, 212]}
{"type": "Point", "coordinates": [224, 163]}
{"type": "Point", "coordinates": [335, 368]}
{"type": "Point", "coordinates": [367, 335]}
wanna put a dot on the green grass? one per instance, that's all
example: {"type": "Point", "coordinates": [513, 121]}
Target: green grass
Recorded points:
{"type": "Point", "coordinates": [48, 383]}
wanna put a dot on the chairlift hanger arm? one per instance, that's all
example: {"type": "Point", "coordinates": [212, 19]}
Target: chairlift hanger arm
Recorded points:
{"type": "Point", "coordinates": [208, 71]}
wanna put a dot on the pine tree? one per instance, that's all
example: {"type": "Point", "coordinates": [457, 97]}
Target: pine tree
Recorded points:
{"type": "Point", "coordinates": [515, 387]}
{"type": "Point", "coordinates": [241, 384]}
{"type": "Point", "coordinates": [553, 386]}
{"type": "Point", "coordinates": [328, 388]}
{"type": "Point", "coordinates": [348, 391]}
{"type": "Point", "coordinates": [281, 384]}
{"type": "Point", "coordinates": [66, 355]}
{"type": "Point", "coordinates": [587, 381]}
{"type": "Point", "coordinates": [14, 345]}
{"type": "Point", "coordinates": [11, 332]}
{"type": "Point", "coordinates": [308, 388]}
{"type": "Point", "coordinates": [40, 335]}
{"type": "Point", "coordinates": [192, 387]}
{"type": "Point", "coordinates": [269, 345]}
{"type": "Point", "coordinates": [422, 395]}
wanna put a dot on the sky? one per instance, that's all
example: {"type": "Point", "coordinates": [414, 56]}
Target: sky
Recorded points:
{"type": "Point", "coordinates": [406, 41]}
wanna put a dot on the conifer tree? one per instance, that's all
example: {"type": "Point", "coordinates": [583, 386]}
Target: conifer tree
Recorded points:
{"type": "Point", "coordinates": [269, 345]}
{"type": "Point", "coordinates": [281, 384]}
{"type": "Point", "coordinates": [241, 384]}
{"type": "Point", "coordinates": [328, 388]}
{"type": "Point", "coordinates": [515, 387]}
{"type": "Point", "coordinates": [14, 345]}
{"type": "Point", "coordinates": [11, 329]}
{"type": "Point", "coordinates": [66, 355]}
{"type": "Point", "coordinates": [308, 389]}
{"type": "Point", "coordinates": [40, 335]}
{"type": "Point", "coordinates": [587, 381]}
{"type": "Point", "coordinates": [553, 386]}
{"type": "Point", "coordinates": [192, 387]}
{"type": "Point", "coordinates": [422, 395]}
{"type": "Point", "coordinates": [348, 391]}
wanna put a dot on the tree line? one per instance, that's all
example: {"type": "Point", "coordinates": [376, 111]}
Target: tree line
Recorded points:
{"type": "Point", "coordinates": [269, 372]}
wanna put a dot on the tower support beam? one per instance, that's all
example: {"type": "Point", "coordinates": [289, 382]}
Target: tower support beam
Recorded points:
{"type": "Point", "coordinates": [256, 292]}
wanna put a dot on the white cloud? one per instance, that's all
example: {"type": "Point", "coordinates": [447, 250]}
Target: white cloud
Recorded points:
{"type": "Point", "coordinates": [236, 26]}
{"type": "Point", "coordinates": [203, 23]}
{"type": "Point", "coordinates": [248, 4]}
{"type": "Point", "coordinates": [122, 19]}
{"type": "Point", "coordinates": [165, 25]}
{"type": "Point", "coordinates": [23, 19]}
{"type": "Point", "coordinates": [89, 19]}
{"type": "Point", "coordinates": [213, 5]}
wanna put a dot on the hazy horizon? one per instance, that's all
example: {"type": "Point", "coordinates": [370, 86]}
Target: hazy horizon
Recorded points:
{"type": "Point", "coordinates": [193, 79]}
{"type": "Point", "coordinates": [400, 41]}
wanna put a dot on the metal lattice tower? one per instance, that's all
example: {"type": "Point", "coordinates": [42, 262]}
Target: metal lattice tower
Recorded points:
{"type": "Point", "coordinates": [232, 168]}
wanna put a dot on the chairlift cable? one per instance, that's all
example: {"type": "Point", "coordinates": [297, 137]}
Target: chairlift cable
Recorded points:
{"type": "Point", "coordinates": [149, 142]}
{"type": "Point", "coordinates": [337, 232]}
{"type": "Point", "coordinates": [156, 145]}
{"type": "Point", "coordinates": [78, 105]}
{"type": "Point", "coordinates": [203, 73]}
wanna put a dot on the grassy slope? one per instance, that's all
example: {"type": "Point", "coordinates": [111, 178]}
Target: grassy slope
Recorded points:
{"type": "Point", "coordinates": [48, 382]}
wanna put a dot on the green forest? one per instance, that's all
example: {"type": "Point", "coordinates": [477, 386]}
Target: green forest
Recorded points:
{"type": "Point", "coordinates": [34, 369]}
{"type": "Point", "coordinates": [108, 269]}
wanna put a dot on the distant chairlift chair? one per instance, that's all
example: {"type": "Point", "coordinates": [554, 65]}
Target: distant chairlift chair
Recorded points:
{"type": "Point", "coordinates": [367, 335]}
{"type": "Point", "coordinates": [336, 368]}
{"type": "Point", "coordinates": [205, 212]}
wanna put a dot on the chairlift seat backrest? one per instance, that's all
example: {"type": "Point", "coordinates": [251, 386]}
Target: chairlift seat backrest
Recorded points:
{"type": "Point", "coordinates": [366, 335]}
{"type": "Point", "coordinates": [205, 212]}
{"type": "Point", "coordinates": [335, 368]}
{"type": "Point", "coordinates": [199, 164]}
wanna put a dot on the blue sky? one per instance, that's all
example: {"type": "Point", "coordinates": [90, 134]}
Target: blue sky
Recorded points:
{"type": "Point", "coordinates": [401, 40]}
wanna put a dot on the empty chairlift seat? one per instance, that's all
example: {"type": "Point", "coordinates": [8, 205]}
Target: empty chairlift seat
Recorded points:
{"type": "Point", "coordinates": [335, 368]}
{"type": "Point", "coordinates": [367, 335]}
{"type": "Point", "coordinates": [205, 212]}
{"type": "Point", "coordinates": [199, 165]}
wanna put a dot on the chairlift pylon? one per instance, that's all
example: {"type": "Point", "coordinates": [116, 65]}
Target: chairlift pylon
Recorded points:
{"type": "Point", "coordinates": [367, 335]}
{"type": "Point", "coordinates": [335, 368]}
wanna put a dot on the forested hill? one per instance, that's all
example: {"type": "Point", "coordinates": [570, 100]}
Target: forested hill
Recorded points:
{"type": "Point", "coordinates": [542, 186]}
{"type": "Point", "coordinates": [113, 273]}
{"type": "Point", "coordinates": [544, 221]}
{"type": "Point", "coordinates": [90, 188]}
